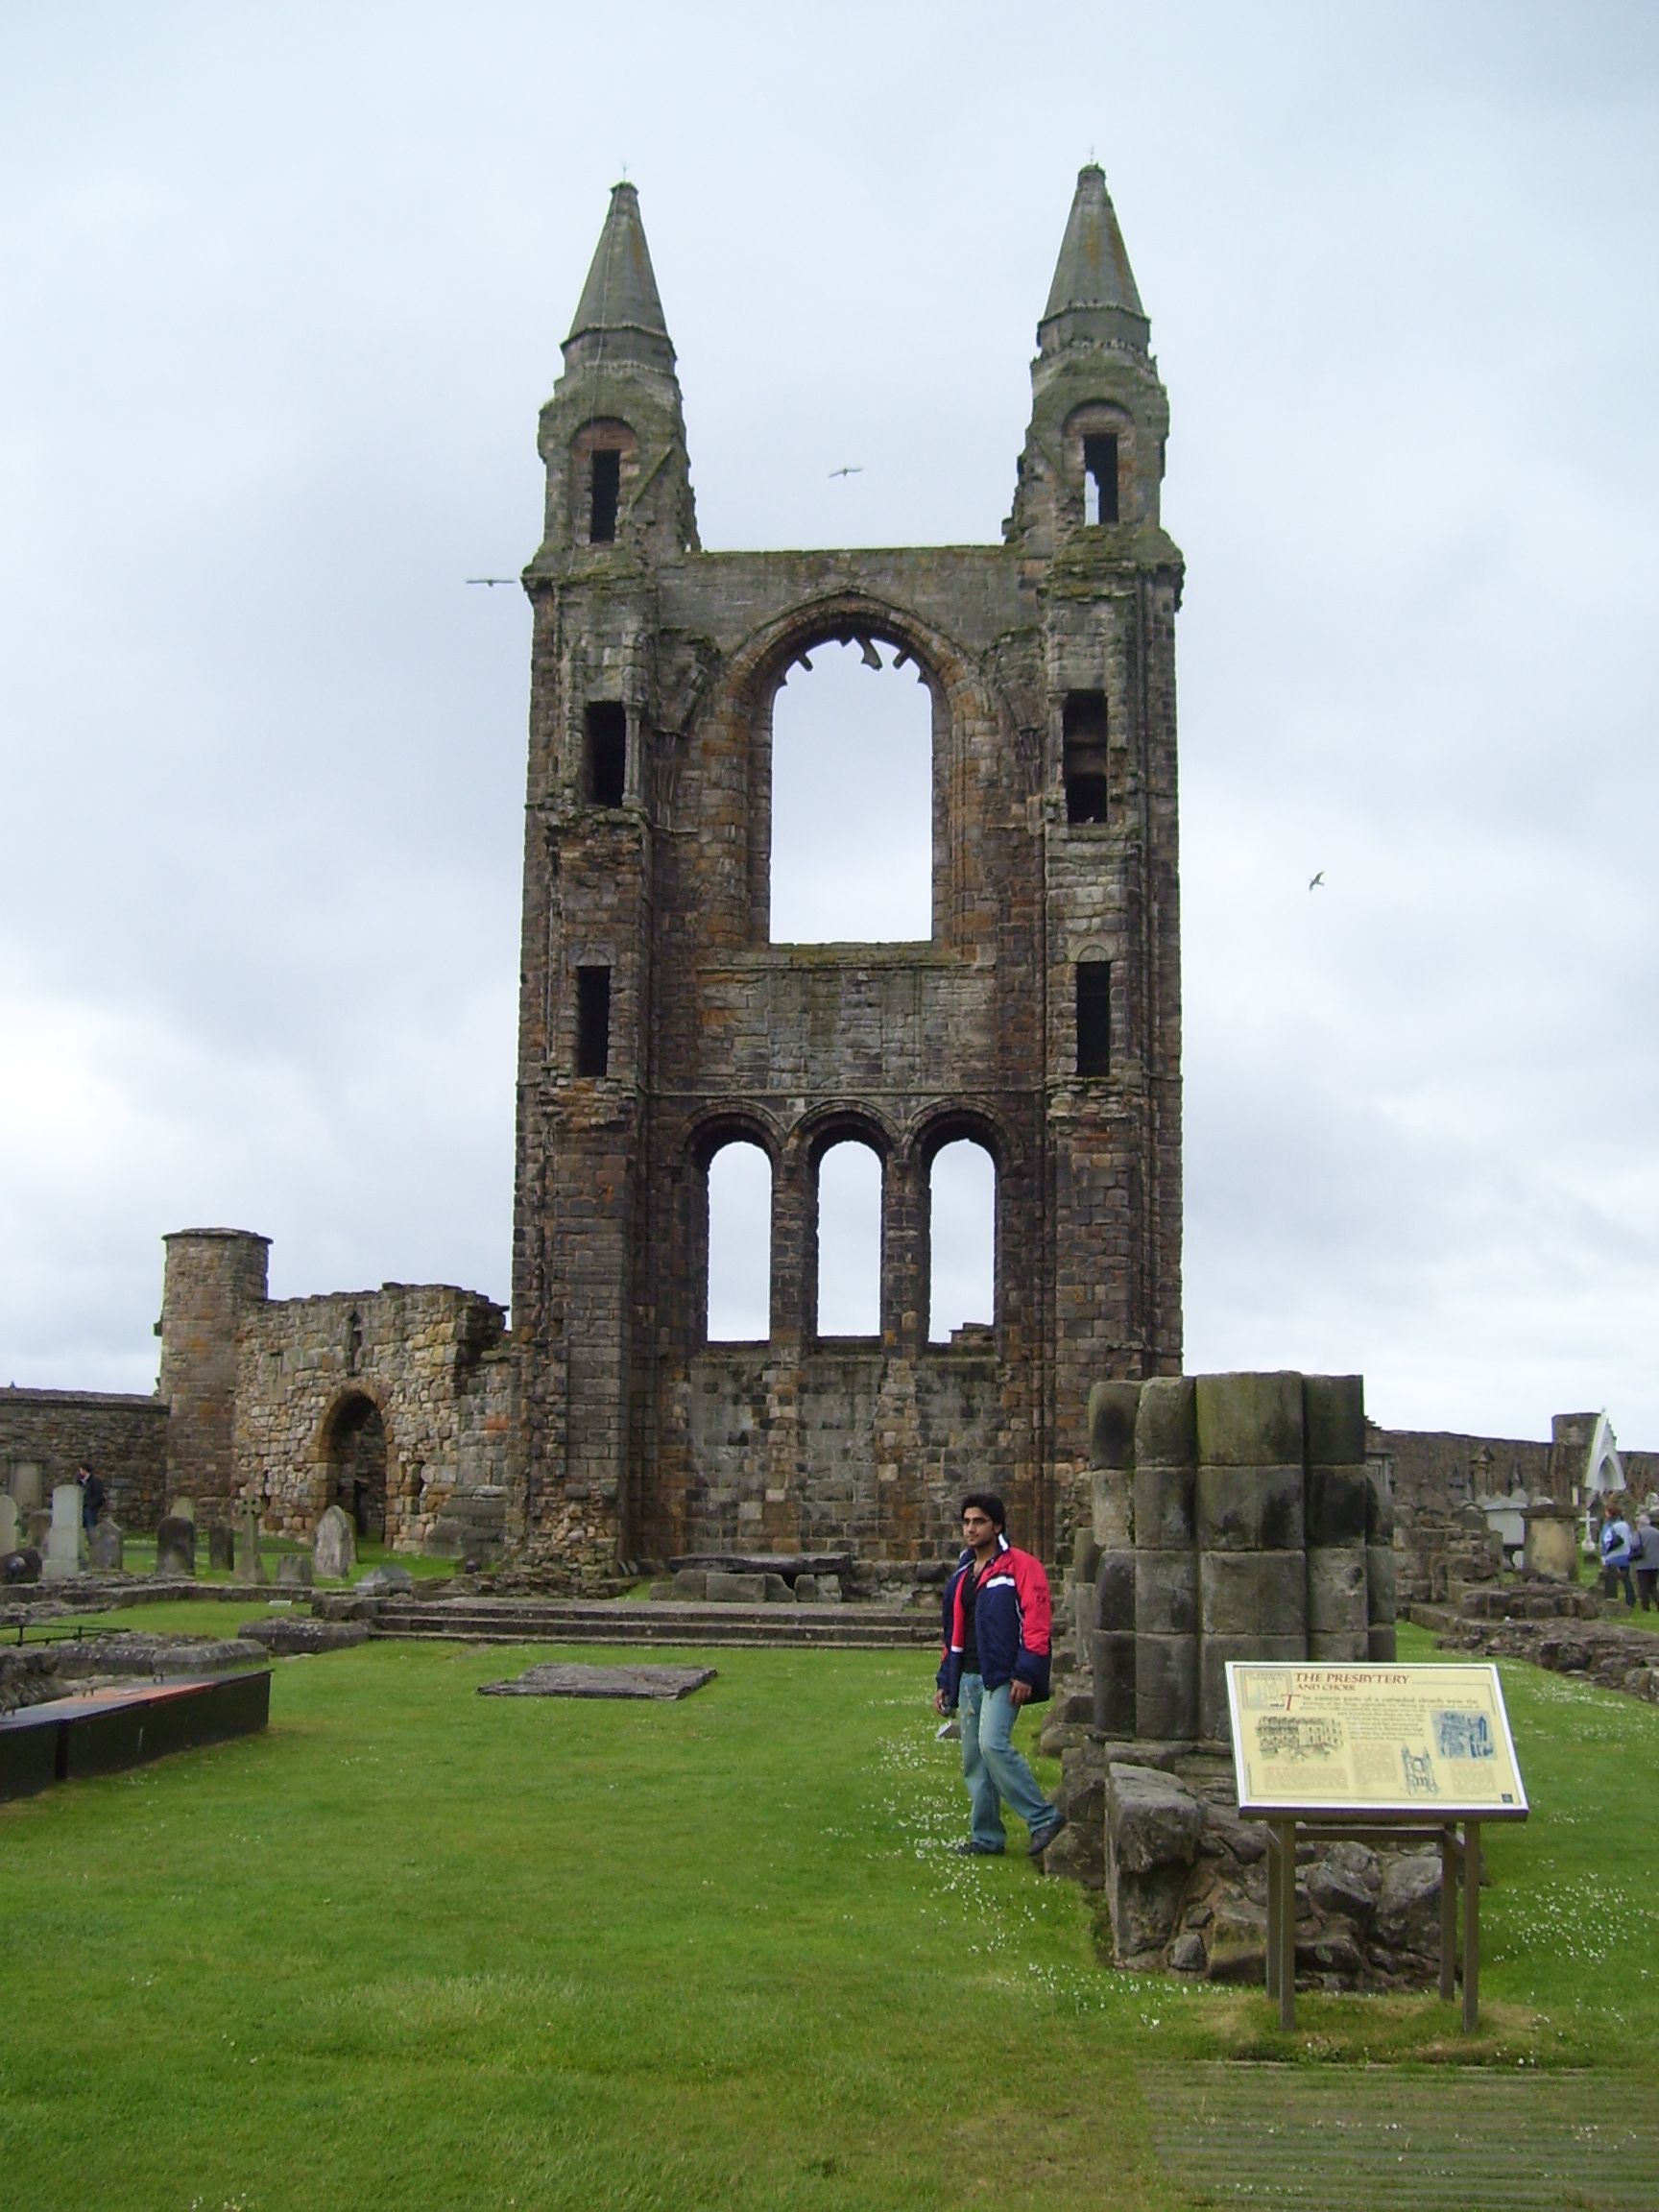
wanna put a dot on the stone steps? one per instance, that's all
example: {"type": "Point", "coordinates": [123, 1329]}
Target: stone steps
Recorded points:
{"type": "Point", "coordinates": [593, 1621]}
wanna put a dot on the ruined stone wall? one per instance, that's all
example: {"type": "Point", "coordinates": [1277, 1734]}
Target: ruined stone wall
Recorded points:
{"type": "Point", "coordinates": [647, 891]}
{"type": "Point", "coordinates": [842, 1448]}
{"type": "Point", "coordinates": [432, 1363]}
{"type": "Point", "coordinates": [46, 1434]}
{"type": "Point", "coordinates": [1437, 1470]}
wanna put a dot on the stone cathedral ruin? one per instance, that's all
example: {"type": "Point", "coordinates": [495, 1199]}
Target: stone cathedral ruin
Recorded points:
{"type": "Point", "coordinates": [663, 1021]}
{"type": "Point", "coordinates": [660, 1022]}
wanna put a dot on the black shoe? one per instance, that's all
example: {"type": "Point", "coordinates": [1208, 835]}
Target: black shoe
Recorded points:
{"type": "Point", "coordinates": [974, 1849]}
{"type": "Point", "coordinates": [1042, 1838]}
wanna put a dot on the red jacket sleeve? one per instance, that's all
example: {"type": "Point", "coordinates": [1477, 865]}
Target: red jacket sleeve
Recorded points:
{"type": "Point", "coordinates": [1036, 1607]}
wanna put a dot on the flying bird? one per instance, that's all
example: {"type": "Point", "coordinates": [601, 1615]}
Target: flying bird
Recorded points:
{"type": "Point", "coordinates": [848, 472]}
{"type": "Point", "coordinates": [491, 579]}
{"type": "Point", "coordinates": [1314, 882]}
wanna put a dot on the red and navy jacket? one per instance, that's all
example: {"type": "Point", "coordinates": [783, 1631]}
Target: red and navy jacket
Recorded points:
{"type": "Point", "coordinates": [1013, 1617]}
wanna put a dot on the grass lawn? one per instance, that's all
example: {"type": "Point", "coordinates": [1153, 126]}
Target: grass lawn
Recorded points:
{"type": "Point", "coordinates": [138, 1558]}
{"type": "Point", "coordinates": [415, 1948]}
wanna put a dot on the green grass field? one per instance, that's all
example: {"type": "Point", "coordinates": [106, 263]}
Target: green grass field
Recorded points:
{"type": "Point", "coordinates": [416, 1948]}
{"type": "Point", "coordinates": [138, 1558]}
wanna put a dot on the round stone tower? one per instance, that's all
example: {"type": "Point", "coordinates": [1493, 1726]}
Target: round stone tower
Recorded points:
{"type": "Point", "coordinates": [213, 1276]}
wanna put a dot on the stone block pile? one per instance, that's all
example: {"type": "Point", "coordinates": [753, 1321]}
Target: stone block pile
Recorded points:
{"type": "Point", "coordinates": [1184, 1881]}
{"type": "Point", "coordinates": [1601, 1652]}
{"type": "Point", "coordinates": [1232, 1517]}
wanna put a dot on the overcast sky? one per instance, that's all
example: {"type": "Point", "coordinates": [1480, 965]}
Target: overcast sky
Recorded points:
{"type": "Point", "coordinates": [285, 288]}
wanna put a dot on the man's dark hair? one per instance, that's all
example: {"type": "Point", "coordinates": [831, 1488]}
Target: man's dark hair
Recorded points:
{"type": "Point", "coordinates": [988, 1502]}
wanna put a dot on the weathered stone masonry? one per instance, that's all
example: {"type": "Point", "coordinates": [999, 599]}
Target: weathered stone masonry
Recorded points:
{"type": "Point", "coordinates": [658, 1021]}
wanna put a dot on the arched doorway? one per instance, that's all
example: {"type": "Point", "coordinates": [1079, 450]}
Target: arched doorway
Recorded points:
{"type": "Point", "coordinates": [356, 1455]}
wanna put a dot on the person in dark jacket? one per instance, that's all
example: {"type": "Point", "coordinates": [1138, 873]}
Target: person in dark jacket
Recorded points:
{"type": "Point", "coordinates": [998, 1620]}
{"type": "Point", "coordinates": [92, 1496]}
{"type": "Point", "coordinates": [1646, 1561]}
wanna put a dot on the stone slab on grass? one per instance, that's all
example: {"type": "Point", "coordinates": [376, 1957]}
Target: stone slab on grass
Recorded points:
{"type": "Point", "coordinates": [561, 1678]}
{"type": "Point", "coordinates": [290, 1639]}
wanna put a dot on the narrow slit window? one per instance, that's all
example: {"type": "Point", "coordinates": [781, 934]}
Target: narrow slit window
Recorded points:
{"type": "Point", "coordinates": [1100, 477]}
{"type": "Point", "coordinates": [1084, 761]}
{"type": "Point", "coordinates": [1094, 1017]}
{"type": "Point", "coordinates": [607, 766]}
{"type": "Point", "coordinates": [593, 1021]}
{"type": "Point", "coordinates": [606, 486]}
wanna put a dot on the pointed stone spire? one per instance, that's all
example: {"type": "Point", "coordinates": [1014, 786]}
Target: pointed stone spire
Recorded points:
{"type": "Point", "coordinates": [619, 318]}
{"type": "Point", "coordinates": [1093, 297]}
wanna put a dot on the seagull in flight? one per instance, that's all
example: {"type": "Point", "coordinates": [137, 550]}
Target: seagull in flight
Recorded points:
{"type": "Point", "coordinates": [849, 470]}
{"type": "Point", "coordinates": [1314, 882]}
{"type": "Point", "coordinates": [492, 581]}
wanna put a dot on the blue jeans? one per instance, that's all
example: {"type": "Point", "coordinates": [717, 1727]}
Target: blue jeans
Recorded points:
{"type": "Point", "coordinates": [995, 1773]}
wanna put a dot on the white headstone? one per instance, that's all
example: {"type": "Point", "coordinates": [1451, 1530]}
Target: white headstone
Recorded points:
{"type": "Point", "coordinates": [25, 1486]}
{"type": "Point", "coordinates": [68, 1540]}
{"type": "Point", "coordinates": [334, 1546]}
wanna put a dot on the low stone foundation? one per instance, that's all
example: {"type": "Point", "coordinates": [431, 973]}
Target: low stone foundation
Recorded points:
{"type": "Point", "coordinates": [1604, 1652]}
{"type": "Point", "coordinates": [1538, 1600]}
{"type": "Point", "coordinates": [35, 1673]}
{"type": "Point", "coordinates": [1183, 1880]}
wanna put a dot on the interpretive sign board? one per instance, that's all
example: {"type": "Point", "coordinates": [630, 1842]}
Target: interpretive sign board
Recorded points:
{"type": "Point", "coordinates": [1417, 1743]}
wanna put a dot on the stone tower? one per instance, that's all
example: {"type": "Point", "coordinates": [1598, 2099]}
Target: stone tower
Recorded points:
{"type": "Point", "coordinates": [214, 1278]}
{"type": "Point", "coordinates": [659, 1021]}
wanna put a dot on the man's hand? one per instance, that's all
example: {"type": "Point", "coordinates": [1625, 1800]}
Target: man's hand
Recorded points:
{"type": "Point", "coordinates": [1018, 1693]}
{"type": "Point", "coordinates": [939, 1705]}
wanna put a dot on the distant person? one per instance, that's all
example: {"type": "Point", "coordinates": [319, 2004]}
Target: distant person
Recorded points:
{"type": "Point", "coordinates": [1646, 1561]}
{"type": "Point", "coordinates": [92, 1497]}
{"type": "Point", "coordinates": [1618, 1547]}
{"type": "Point", "coordinates": [997, 1618]}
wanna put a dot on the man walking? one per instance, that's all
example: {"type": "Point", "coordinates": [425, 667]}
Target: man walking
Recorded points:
{"type": "Point", "coordinates": [998, 1616]}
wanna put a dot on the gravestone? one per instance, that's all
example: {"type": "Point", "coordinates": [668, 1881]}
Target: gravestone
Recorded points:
{"type": "Point", "coordinates": [106, 1547]}
{"type": "Point", "coordinates": [36, 1525]}
{"type": "Point", "coordinates": [175, 1547]}
{"type": "Point", "coordinates": [25, 1486]}
{"type": "Point", "coordinates": [249, 1566]}
{"type": "Point", "coordinates": [183, 1509]}
{"type": "Point", "coordinates": [66, 1539]}
{"type": "Point", "coordinates": [1551, 1548]}
{"type": "Point", "coordinates": [8, 1522]}
{"type": "Point", "coordinates": [20, 1566]}
{"type": "Point", "coordinates": [222, 1546]}
{"type": "Point", "coordinates": [294, 1571]}
{"type": "Point", "coordinates": [387, 1580]}
{"type": "Point", "coordinates": [334, 1546]}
